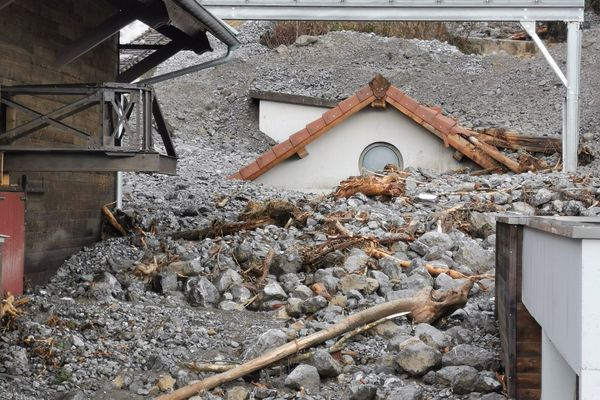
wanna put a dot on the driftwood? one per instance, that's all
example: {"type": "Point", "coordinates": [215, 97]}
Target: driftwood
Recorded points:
{"type": "Point", "coordinates": [256, 215]}
{"type": "Point", "coordinates": [113, 221]}
{"type": "Point", "coordinates": [427, 306]}
{"type": "Point", "coordinates": [392, 184]}
{"type": "Point", "coordinates": [10, 308]}
{"type": "Point", "coordinates": [337, 347]}
{"type": "Point", "coordinates": [514, 141]}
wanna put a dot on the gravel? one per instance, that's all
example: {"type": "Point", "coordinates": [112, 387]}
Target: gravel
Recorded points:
{"type": "Point", "coordinates": [100, 329]}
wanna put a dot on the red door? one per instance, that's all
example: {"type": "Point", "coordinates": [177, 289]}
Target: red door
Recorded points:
{"type": "Point", "coordinates": [12, 224]}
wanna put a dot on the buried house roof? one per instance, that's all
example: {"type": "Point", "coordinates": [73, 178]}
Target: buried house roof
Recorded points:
{"type": "Point", "coordinates": [480, 147]}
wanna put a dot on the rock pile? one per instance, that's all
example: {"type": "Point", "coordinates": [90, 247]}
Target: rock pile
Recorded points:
{"type": "Point", "coordinates": [136, 316]}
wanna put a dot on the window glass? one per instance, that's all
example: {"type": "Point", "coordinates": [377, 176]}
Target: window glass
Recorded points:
{"type": "Point", "coordinates": [377, 155]}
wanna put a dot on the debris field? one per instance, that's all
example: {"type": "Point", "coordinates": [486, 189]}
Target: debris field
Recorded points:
{"type": "Point", "coordinates": [382, 288]}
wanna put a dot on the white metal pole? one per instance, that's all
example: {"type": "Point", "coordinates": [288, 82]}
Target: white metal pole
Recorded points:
{"type": "Point", "coordinates": [119, 190]}
{"type": "Point", "coordinates": [571, 135]}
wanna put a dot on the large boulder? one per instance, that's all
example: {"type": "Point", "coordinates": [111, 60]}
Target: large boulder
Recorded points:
{"type": "Point", "coordinates": [201, 292]}
{"type": "Point", "coordinates": [472, 255]}
{"type": "Point", "coordinates": [461, 378]}
{"type": "Point", "coordinates": [326, 365]}
{"type": "Point", "coordinates": [473, 356]}
{"type": "Point", "coordinates": [305, 377]}
{"type": "Point", "coordinates": [416, 358]}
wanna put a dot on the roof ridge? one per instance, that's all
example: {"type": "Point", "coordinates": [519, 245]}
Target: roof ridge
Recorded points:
{"type": "Point", "coordinates": [378, 92]}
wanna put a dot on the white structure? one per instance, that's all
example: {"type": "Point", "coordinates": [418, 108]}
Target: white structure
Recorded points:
{"type": "Point", "coordinates": [560, 280]}
{"type": "Point", "coordinates": [527, 12]}
{"type": "Point", "coordinates": [337, 154]}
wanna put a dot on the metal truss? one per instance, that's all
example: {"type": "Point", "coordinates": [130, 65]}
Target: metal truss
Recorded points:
{"type": "Point", "coordinates": [122, 141]}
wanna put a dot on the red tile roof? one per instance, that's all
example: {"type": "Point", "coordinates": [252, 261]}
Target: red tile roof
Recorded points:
{"type": "Point", "coordinates": [379, 89]}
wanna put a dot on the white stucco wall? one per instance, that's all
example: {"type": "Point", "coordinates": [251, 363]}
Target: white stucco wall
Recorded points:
{"type": "Point", "coordinates": [335, 155]}
{"type": "Point", "coordinates": [280, 120]}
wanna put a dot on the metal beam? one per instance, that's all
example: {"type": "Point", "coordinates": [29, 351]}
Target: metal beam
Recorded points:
{"type": "Point", "coordinates": [74, 160]}
{"type": "Point", "coordinates": [5, 3]}
{"type": "Point", "coordinates": [102, 32]}
{"type": "Point", "coordinates": [397, 10]}
{"type": "Point", "coordinates": [154, 59]}
{"type": "Point", "coordinates": [529, 27]}
{"type": "Point", "coordinates": [571, 133]}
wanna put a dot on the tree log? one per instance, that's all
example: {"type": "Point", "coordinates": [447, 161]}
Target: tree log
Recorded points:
{"type": "Point", "coordinates": [427, 306]}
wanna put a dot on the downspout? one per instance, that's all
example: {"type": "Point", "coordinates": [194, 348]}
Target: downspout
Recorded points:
{"type": "Point", "coordinates": [194, 68]}
{"type": "Point", "coordinates": [217, 27]}
{"type": "Point", "coordinates": [119, 190]}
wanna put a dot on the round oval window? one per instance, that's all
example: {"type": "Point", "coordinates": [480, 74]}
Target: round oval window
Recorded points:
{"type": "Point", "coordinates": [376, 156]}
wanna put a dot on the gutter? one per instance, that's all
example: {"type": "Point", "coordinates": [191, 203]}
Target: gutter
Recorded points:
{"type": "Point", "coordinates": [216, 27]}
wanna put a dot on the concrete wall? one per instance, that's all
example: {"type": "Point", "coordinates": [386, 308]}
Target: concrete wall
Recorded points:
{"type": "Point", "coordinates": [64, 214]}
{"type": "Point", "coordinates": [335, 155]}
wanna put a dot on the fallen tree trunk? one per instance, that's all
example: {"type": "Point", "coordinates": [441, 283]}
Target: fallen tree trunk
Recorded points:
{"type": "Point", "coordinates": [427, 306]}
{"type": "Point", "coordinates": [218, 228]}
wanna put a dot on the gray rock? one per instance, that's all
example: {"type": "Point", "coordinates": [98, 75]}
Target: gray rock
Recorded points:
{"type": "Point", "coordinates": [77, 341]}
{"type": "Point", "coordinates": [267, 341]}
{"type": "Point", "coordinates": [105, 287]}
{"type": "Point", "coordinates": [201, 292]}
{"type": "Point", "coordinates": [313, 304]}
{"type": "Point", "coordinates": [540, 197]}
{"type": "Point", "coordinates": [356, 262]}
{"type": "Point", "coordinates": [360, 391]}
{"type": "Point", "coordinates": [475, 257]}
{"type": "Point", "coordinates": [400, 294]}
{"type": "Point", "coordinates": [240, 293]}
{"type": "Point", "coordinates": [416, 358]}
{"type": "Point", "coordinates": [167, 281]}
{"type": "Point", "coordinates": [304, 376]}
{"type": "Point", "coordinates": [286, 263]}
{"type": "Point", "coordinates": [305, 40]}
{"type": "Point", "coordinates": [433, 239]}
{"type": "Point", "coordinates": [302, 292]}
{"type": "Point", "coordinates": [486, 382]}
{"type": "Point", "coordinates": [383, 281]}
{"type": "Point", "coordinates": [523, 208]}
{"type": "Point", "coordinates": [294, 307]}
{"type": "Point", "coordinates": [432, 336]}
{"type": "Point", "coordinates": [237, 393]}
{"type": "Point", "coordinates": [358, 282]}
{"type": "Point", "coordinates": [228, 305]}
{"type": "Point", "coordinates": [460, 378]}
{"type": "Point", "coordinates": [406, 393]}
{"type": "Point", "coordinates": [396, 341]}
{"type": "Point", "coordinates": [274, 291]}
{"type": "Point", "coordinates": [186, 268]}
{"type": "Point", "coordinates": [289, 281]}
{"type": "Point", "coordinates": [484, 224]}
{"type": "Point", "coordinates": [227, 279]}
{"type": "Point", "coordinates": [391, 267]}
{"type": "Point", "coordinates": [327, 279]}
{"type": "Point", "coordinates": [473, 356]}
{"type": "Point", "coordinates": [460, 335]}
{"type": "Point", "coordinates": [445, 282]}
{"type": "Point", "coordinates": [326, 365]}
{"type": "Point", "coordinates": [243, 252]}
{"type": "Point", "coordinates": [418, 280]}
